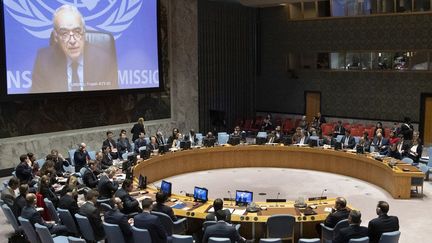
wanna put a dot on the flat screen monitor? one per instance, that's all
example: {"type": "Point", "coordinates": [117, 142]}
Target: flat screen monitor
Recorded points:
{"type": "Point", "coordinates": [243, 197]}
{"type": "Point", "coordinates": [114, 47]}
{"type": "Point", "coordinates": [185, 144]}
{"type": "Point", "coordinates": [234, 140]}
{"type": "Point", "coordinates": [201, 194]}
{"type": "Point", "coordinates": [209, 142]}
{"type": "Point", "coordinates": [163, 148]}
{"type": "Point", "coordinates": [142, 182]}
{"type": "Point", "coordinates": [166, 187]}
{"type": "Point", "coordinates": [145, 154]}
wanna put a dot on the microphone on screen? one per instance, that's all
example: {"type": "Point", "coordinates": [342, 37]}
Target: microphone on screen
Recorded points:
{"type": "Point", "coordinates": [157, 188]}
{"type": "Point", "coordinates": [230, 197]}
{"type": "Point", "coordinates": [277, 198]}
{"type": "Point", "coordinates": [321, 197]}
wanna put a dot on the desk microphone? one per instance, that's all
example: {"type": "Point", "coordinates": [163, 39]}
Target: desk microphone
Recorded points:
{"type": "Point", "coordinates": [277, 199]}
{"type": "Point", "coordinates": [230, 197]}
{"type": "Point", "coordinates": [322, 193]}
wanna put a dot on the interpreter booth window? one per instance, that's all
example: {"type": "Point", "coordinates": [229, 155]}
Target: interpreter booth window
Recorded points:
{"type": "Point", "coordinates": [383, 6]}
{"type": "Point", "coordinates": [358, 61]}
{"type": "Point", "coordinates": [351, 7]}
{"type": "Point", "coordinates": [422, 5]}
{"type": "Point", "coordinates": [323, 61]}
{"type": "Point", "coordinates": [382, 60]}
{"type": "Point", "coordinates": [404, 6]}
{"type": "Point", "coordinates": [337, 60]}
{"type": "Point", "coordinates": [418, 60]}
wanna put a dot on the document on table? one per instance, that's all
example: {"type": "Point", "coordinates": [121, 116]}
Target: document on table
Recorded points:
{"type": "Point", "coordinates": [239, 212]}
{"type": "Point", "coordinates": [211, 210]}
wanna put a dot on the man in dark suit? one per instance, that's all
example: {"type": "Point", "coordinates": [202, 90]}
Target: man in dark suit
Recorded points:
{"type": "Point", "coordinates": [81, 157]}
{"type": "Point", "coordinates": [114, 216]}
{"type": "Point", "coordinates": [338, 129]}
{"type": "Point", "coordinates": [24, 170]}
{"type": "Point", "coordinates": [383, 223]}
{"type": "Point", "coordinates": [340, 212]}
{"type": "Point", "coordinates": [69, 202]}
{"type": "Point", "coordinates": [107, 158]}
{"type": "Point", "coordinates": [354, 231]}
{"type": "Point", "coordinates": [106, 187]}
{"type": "Point", "coordinates": [71, 63]}
{"type": "Point", "coordinates": [153, 145]}
{"type": "Point", "coordinates": [111, 143]}
{"type": "Point", "coordinates": [29, 212]}
{"type": "Point", "coordinates": [123, 145]}
{"type": "Point", "coordinates": [140, 142]}
{"type": "Point", "coordinates": [152, 223]}
{"type": "Point", "coordinates": [161, 207]}
{"type": "Point", "coordinates": [20, 201]}
{"type": "Point", "coordinates": [222, 229]}
{"type": "Point", "coordinates": [89, 210]}
{"type": "Point", "coordinates": [89, 177]}
{"type": "Point", "coordinates": [380, 144]}
{"type": "Point", "coordinates": [218, 205]}
{"type": "Point", "coordinates": [348, 141]}
{"type": "Point", "coordinates": [130, 204]}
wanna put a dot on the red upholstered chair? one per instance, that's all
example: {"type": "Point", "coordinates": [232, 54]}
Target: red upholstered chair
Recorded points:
{"type": "Point", "coordinates": [287, 125]}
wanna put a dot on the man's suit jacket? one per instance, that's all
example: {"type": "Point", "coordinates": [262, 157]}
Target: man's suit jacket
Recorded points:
{"type": "Point", "coordinates": [18, 205]}
{"type": "Point", "coordinates": [130, 204]}
{"type": "Point", "coordinates": [382, 224]}
{"type": "Point", "coordinates": [222, 229]}
{"type": "Point", "coordinates": [351, 232]}
{"type": "Point", "coordinates": [92, 213]}
{"type": "Point", "coordinates": [351, 142]}
{"type": "Point", "coordinates": [153, 224]}
{"type": "Point", "coordinates": [110, 143]}
{"type": "Point", "coordinates": [80, 159]}
{"type": "Point", "coordinates": [30, 213]}
{"type": "Point", "coordinates": [24, 173]}
{"type": "Point", "coordinates": [69, 203]}
{"type": "Point", "coordinates": [151, 146]}
{"type": "Point", "coordinates": [159, 207]}
{"type": "Point", "coordinates": [114, 216]}
{"type": "Point", "coordinates": [333, 218]}
{"type": "Point", "coordinates": [89, 178]}
{"type": "Point", "coordinates": [107, 161]}
{"type": "Point", "coordinates": [50, 70]}
{"type": "Point", "coordinates": [381, 146]}
{"type": "Point", "coordinates": [106, 187]}
{"type": "Point", "coordinates": [8, 196]}
{"type": "Point", "coordinates": [139, 143]}
{"type": "Point", "coordinates": [212, 216]}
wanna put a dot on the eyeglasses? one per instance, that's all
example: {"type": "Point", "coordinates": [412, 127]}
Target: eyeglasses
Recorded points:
{"type": "Point", "coordinates": [65, 35]}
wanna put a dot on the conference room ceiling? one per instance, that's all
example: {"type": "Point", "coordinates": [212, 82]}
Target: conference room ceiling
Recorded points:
{"type": "Point", "coordinates": [260, 3]}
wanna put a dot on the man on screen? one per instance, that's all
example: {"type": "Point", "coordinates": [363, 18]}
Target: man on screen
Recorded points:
{"type": "Point", "coordinates": [71, 63]}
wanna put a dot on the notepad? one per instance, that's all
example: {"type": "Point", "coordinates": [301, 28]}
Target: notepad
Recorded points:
{"type": "Point", "coordinates": [211, 210]}
{"type": "Point", "coordinates": [239, 212]}
{"type": "Point", "coordinates": [328, 210]}
{"type": "Point", "coordinates": [180, 205]}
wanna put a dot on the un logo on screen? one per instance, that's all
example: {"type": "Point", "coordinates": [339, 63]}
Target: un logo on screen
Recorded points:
{"type": "Point", "coordinates": [113, 16]}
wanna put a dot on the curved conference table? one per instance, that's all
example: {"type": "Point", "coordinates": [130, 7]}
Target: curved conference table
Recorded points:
{"type": "Point", "coordinates": [397, 180]}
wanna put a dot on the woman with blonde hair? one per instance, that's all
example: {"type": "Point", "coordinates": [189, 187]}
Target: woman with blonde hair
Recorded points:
{"type": "Point", "coordinates": [137, 129]}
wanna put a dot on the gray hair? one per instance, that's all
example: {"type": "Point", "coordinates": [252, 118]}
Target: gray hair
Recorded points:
{"type": "Point", "coordinates": [70, 9]}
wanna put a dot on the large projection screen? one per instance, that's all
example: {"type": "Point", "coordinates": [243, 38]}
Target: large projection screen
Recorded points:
{"type": "Point", "coordinates": [60, 46]}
